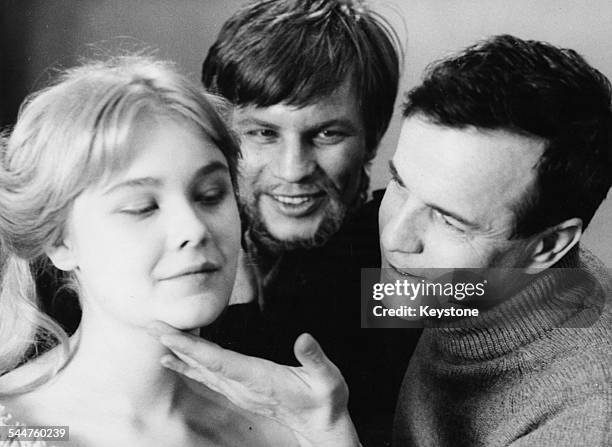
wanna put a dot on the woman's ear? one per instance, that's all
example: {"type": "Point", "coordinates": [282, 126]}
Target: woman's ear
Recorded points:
{"type": "Point", "coordinates": [554, 243]}
{"type": "Point", "coordinates": [62, 255]}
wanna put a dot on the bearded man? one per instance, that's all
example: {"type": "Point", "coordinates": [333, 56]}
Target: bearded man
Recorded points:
{"type": "Point", "coordinates": [313, 84]}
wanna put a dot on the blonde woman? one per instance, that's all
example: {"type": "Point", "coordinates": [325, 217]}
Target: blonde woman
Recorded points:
{"type": "Point", "coordinates": [120, 178]}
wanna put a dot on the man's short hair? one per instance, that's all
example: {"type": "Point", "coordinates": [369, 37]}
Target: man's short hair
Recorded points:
{"type": "Point", "coordinates": [299, 51]}
{"type": "Point", "coordinates": [534, 89]}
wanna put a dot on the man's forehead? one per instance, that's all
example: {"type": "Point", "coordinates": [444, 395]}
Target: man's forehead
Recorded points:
{"type": "Point", "coordinates": [475, 171]}
{"type": "Point", "coordinates": [341, 103]}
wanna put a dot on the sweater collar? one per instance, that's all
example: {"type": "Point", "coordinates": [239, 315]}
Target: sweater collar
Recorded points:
{"type": "Point", "coordinates": [565, 295]}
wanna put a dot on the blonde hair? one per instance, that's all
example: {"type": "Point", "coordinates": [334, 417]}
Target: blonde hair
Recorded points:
{"type": "Point", "coordinates": [67, 137]}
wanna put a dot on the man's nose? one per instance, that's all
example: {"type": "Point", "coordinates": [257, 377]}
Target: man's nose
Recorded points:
{"type": "Point", "coordinates": [295, 160]}
{"type": "Point", "coordinates": [403, 230]}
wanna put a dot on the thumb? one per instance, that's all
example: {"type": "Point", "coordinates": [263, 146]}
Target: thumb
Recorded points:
{"type": "Point", "coordinates": [310, 354]}
{"type": "Point", "coordinates": [328, 378]}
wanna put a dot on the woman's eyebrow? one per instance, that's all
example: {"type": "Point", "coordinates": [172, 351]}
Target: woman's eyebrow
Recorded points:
{"type": "Point", "coordinates": [211, 168]}
{"type": "Point", "coordinates": [133, 183]}
{"type": "Point", "coordinates": [140, 182]}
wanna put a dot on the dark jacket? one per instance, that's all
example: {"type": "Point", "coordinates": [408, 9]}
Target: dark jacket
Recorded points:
{"type": "Point", "coordinates": [318, 291]}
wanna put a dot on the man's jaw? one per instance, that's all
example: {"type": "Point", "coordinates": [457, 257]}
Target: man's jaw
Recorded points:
{"type": "Point", "coordinates": [329, 215]}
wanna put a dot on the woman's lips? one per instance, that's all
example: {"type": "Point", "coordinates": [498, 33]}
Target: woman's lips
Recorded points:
{"type": "Point", "coordinates": [193, 269]}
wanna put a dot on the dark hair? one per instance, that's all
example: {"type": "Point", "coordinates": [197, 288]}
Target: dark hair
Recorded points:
{"type": "Point", "coordinates": [300, 51]}
{"type": "Point", "coordinates": [534, 89]}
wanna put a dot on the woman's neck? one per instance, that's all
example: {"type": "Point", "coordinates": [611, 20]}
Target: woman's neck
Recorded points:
{"type": "Point", "coordinates": [119, 363]}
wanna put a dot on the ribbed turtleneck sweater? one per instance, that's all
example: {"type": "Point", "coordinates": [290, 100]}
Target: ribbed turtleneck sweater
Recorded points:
{"type": "Point", "coordinates": [536, 370]}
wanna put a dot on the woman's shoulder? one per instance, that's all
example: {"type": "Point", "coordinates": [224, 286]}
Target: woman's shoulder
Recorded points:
{"type": "Point", "coordinates": [8, 420]}
{"type": "Point", "coordinates": [30, 373]}
{"type": "Point", "coordinates": [10, 414]}
{"type": "Point", "coordinates": [20, 397]}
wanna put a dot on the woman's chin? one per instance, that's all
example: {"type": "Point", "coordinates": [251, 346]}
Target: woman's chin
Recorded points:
{"type": "Point", "coordinates": [189, 317]}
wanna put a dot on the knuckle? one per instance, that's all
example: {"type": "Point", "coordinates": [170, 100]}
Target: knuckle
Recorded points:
{"type": "Point", "coordinates": [215, 366]}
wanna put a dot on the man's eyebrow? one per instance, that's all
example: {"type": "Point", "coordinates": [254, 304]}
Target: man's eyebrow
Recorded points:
{"type": "Point", "coordinates": [141, 182]}
{"type": "Point", "coordinates": [252, 121]}
{"type": "Point", "coordinates": [394, 174]}
{"type": "Point", "coordinates": [473, 225]}
{"type": "Point", "coordinates": [341, 122]}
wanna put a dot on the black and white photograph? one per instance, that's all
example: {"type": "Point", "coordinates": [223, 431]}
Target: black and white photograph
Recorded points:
{"type": "Point", "coordinates": [309, 223]}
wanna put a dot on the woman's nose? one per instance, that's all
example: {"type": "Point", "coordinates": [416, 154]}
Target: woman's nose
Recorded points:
{"type": "Point", "coordinates": [187, 226]}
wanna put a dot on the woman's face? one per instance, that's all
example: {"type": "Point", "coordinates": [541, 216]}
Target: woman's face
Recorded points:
{"type": "Point", "coordinates": [158, 241]}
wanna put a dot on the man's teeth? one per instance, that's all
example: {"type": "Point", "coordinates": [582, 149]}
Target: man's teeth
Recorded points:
{"type": "Point", "coordinates": [289, 200]}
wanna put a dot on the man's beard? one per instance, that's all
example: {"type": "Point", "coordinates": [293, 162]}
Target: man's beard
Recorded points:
{"type": "Point", "coordinates": [333, 214]}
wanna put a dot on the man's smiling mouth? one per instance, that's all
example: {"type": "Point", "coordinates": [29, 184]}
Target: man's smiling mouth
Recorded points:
{"type": "Point", "coordinates": [297, 205]}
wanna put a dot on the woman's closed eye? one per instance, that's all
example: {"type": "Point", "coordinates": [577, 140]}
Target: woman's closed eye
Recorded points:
{"type": "Point", "coordinates": [139, 209]}
{"type": "Point", "coordinates": [211, 196]}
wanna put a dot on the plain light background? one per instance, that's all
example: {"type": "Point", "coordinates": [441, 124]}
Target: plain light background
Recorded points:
{"type": "Point", "coordinates": [39, 35]}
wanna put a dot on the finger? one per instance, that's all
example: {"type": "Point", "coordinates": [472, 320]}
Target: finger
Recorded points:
{"type": "Point", "coordinates": [233, 391]}
{"type": "Point", "coordinates": [310, 354]}
{"type": "Point", "coordinates": [189, 361]}
{"type": "Point", "coordinates": [182, 342]}
{"type": "Point", "coordinates": [195, 374]}
{"type": "Point", "coordinates": [176, 365]}
{"type": "Point", "coordinates": [195, 347]}
{"type": "Point", "coordinates": [217, 360]}
{"type": "Point", "coordinates": [159, 328]}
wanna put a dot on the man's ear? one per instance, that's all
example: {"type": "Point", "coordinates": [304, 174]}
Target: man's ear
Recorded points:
{"type": "Point", "coordinates": [62, 255]}
{"type": "Point", "coordinates": [553, 243]}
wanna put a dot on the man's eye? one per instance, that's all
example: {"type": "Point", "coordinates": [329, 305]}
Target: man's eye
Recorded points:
{"type": "Point", "coordinates": [262, 135]}
{"type": "Point", "coordinates": [330, 136]}
{"type": "Point", "coordinates": [397, 182]}
{"type": "Point", "coordinates": [448, 222]}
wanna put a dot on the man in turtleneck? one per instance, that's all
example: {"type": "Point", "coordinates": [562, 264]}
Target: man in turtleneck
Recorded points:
{"type": "Point", "coordinates": [504, 156]}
